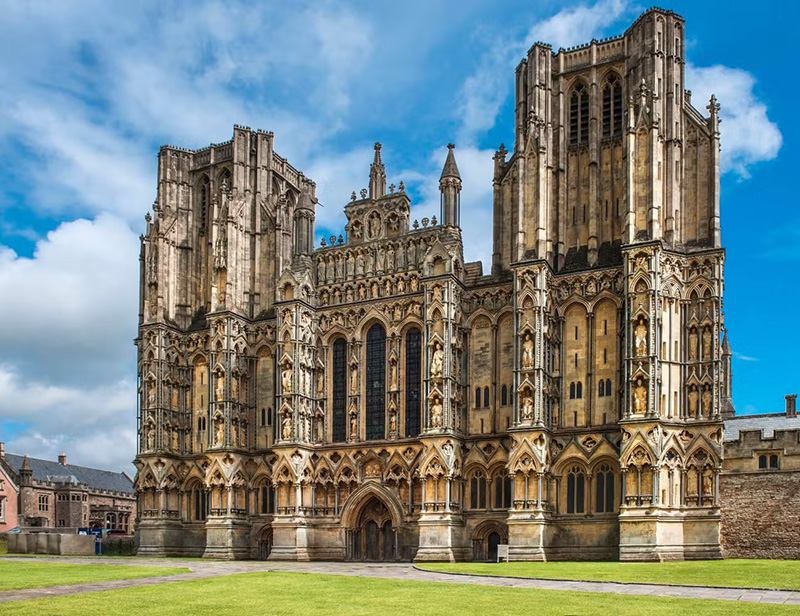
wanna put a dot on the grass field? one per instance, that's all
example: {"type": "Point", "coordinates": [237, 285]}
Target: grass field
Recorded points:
{"type": "Point", "coordinates": [23, 573]}
{"type": "Point", "coordinates": [758, 573]}
{"type": "Point", "coordinates": [309, 594]}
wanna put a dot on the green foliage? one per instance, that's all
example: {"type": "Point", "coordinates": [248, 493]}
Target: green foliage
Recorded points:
{"type": "Point", "coordinates": [732, 572]}
{"type": "Point", "coordinates": [118, 546]}
{"type": "Point", "coordinates": [29, 573]}
{"type": "Point", "coordinates": [304, 594]}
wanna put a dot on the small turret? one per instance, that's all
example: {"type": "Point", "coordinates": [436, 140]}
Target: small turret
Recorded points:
{"type": "Point", "coordinates": [726, 403]}
{"type": "Point", "coordinates": [377, 175]}
{"type": "Point", "coordinates": [25, 473]}
{"type": "Point", "coordinates": [450, 189]}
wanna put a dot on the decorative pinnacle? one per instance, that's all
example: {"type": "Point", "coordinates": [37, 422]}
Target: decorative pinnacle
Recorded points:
{"type": "Point", "coordinates": [450, 167]}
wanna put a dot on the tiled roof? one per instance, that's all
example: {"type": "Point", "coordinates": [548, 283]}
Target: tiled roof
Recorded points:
{"type": "Point", "coordinates": [767, 423]}
{"type": "Point", "coordinates": [48, 470]}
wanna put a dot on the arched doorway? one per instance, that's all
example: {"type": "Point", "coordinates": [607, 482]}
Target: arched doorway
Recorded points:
{"type": "Point", "coordinates": [375, 537]}
{"type": "Point", "coordinates": [493, 540]}
{"type": "Point", "coordinates": [264, 544]}
{"type": "Point", "coordinates": [485, 539]}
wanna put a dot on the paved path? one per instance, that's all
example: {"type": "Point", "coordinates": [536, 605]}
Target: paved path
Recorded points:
{"type": "Point", "coordinates": [404, 571]}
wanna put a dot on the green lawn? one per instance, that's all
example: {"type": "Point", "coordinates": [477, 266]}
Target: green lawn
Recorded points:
{"type": "Point", "coordinates": [24, 573]}
{"type": "Point", "coordinates": [302, 594]}
{"type": "Point", "coordinates": [733, 572]}
{"type": "Point", "coordinates": [3, 545]}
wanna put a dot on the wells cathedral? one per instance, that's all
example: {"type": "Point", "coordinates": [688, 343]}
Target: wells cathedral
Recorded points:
{"type": "Point", "coordinates": [378, 398]}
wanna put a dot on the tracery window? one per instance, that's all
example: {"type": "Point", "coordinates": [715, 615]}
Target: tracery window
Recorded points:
{"type": "Point", "coordinates": [199, 499]}
{"type": "Point", "coordinates": [612, 107]}
{"type": "Point", "coordinates": [339, 401]}
{"type": "Point", "coordinates": [575, 490]}
{"type": "Point", "coordinates": [477, 492]}
{"type": "Point", "coordinates": [376, 382]}
{"type": "Point", "coordinates": [502, 492]}
{"type": "Point", "coordinates": [267, 499]}
{"type": "Point", "coordinates": [579, 115]}
{"type": "Point", "coordinates": [604, 490]}
{"type": "Point", "coordinates": [413, 381]}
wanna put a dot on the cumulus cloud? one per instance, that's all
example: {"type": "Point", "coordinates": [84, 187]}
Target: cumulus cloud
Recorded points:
{"type": "Point", "coordinates": [484, 92]}
{"type": "Point", "coordinates": [748, 136]}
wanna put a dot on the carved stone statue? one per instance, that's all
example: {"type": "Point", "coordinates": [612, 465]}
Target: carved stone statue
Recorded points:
{"type": "Point", "coordinates": [527, 352]}
{"type": "Point", "coordinates": [353, 425]}
{"type": "Point", "coordinates": [235, 388]}
{"type": "Point", "coordinates": [320, 382]}
{"type": "Point", "coordinates": [707, 400]}
{"type": "Point", "coordinates": [220, 389]}
{"type": "Point", "coordinates": [527, 408]}
{"type": "Point", "coordinates": [437, 362]}
{"type": "Point", "coordinates": [693, 339]}
{"type": "Point", "coordinates": [640, 396]}
{"type": "Point", "coordinates": [286, 379]}
{"type": "Point", "coordinates": [175, 440]}
{"type": "Point", "coordinates": [401, 285]}
{"type": "Point", "coordinates": [707, 343]}
{"type": "Point", "coordinates": [640, 336]}
{"type": "Point", "coordinates": [359, 264]}
{"type": "Point", "coordinates": [151, 394]}
{"type": "Point", "coordinates": [393, 423]}
{"type": "Point", "coordinates": [286, 426]}
{"type": "Point", "coordinates": [393, 376]}
{"type": "Point", "coordinates": [353, 379]}
{"type": "Point", "coordinates": [708, 481]}
{"type": "Point", "coordinates": [436, 413]}
{"type": "Point", "coordinates": [693, 398]}
{"type": "Point", "coordinates": [150, 437]}
{"type": "Point", "coordinates": [414, 284]}
{"type": "Point", "coordinates": [219, 435]}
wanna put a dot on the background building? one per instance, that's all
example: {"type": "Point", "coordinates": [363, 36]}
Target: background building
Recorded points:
{"type": "Point", "coordinates": [48, 495]}
{"type": "Point", "coordinates": [378, 398]}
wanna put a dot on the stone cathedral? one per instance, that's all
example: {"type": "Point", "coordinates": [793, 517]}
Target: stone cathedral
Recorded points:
{"type": "Point", "coordinates": [377, 398]}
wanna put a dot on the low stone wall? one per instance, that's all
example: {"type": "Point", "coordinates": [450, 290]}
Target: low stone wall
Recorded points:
{"type": "Point", "coordinates": [50, 543]}
{"type": "Point", "coordinates": [760, 514]}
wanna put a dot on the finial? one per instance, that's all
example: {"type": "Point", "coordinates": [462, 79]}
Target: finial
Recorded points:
{"type": "Point", "coordinates": [147, 217]}
{"type": "Point", "coordinates": [353, 196]}
{"type": "Point", "coordinates": [333, 239]}
{"type": "Point", "coordinates": [451, 146]}
{"type": "Point", "coordinates": [341, 239]}
{"type": "Point", "coordinates": [402, 186]}
{"type": "Point", "coordinates": [323, 242]}
{"type": "Point", "coordinates": [391, 188]}
{"type": "Point", "coordinates": [363, 193]}
{"type": "Point", "coordinates": [433, 221]}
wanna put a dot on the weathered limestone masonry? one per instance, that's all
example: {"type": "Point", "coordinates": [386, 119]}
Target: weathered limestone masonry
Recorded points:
{"type": "Point", "coordinates": [760, 486]}
{"type": "Point", "coordinates": [378, 398]}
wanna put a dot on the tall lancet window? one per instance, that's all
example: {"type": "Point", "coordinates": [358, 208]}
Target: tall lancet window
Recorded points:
{"type": "Point", "coordinates": [413, 381]}
{"type": "Point", "coordinates": [612, 107]}
{"type": "Point", "coordinates": [579, 115]}
{"type": "Point", "coordinates": [339, 406]}
{"type": "Point", "coordinates": [203, 198]}
{"type": "Point", "coordinates": [376, 382]}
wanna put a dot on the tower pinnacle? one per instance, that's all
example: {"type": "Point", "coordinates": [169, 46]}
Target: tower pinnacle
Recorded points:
{"type": "Point", "coordinates": [377, 175]}
{"type": "Point", "coordinates": [450, 189]}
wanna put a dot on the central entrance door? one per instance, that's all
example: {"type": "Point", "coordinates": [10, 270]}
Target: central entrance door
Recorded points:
{"type": "Point", "coordinates": [376, 538]}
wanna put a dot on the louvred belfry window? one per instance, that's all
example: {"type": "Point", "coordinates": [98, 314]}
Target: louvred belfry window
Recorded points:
{"type": "Point", "coordinates": [579, 115]}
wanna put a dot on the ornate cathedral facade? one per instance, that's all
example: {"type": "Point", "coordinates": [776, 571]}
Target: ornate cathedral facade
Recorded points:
{"type": "Point", "coordinates": [377, 398]}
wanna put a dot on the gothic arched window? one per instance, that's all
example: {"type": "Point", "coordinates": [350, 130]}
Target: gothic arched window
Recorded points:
{"type": "Point", "coordinates": [477, 490]}
{"type": "Point", "coordinates": [575, 490]}
{"type": "Point", "coordinates": [339, 402]}
{"type": "Point", "coordinates": [485, 396]}
{"type": "Point", "coordinates": [608, 387]}
{"type": "Point", "coordinates": [601, 388]}
{"type": "Point", "coordinates": [504, 395]}
{"type": "Point", "coordinates": [572, 391]}
{"type": "Point", "coordinates": [376, 382]}
{"type": "Point", "coordinates": [579, 115]}
{"type": "Point", "coordinates": [612, 107]}
{"type": "Point", "coordinates": [413, 381]}
{"type": "Point", "coordinates": [477, 397]}
{"type": "Point", "coordinates": [579, 390]}
{"type": "Point", "coordinates": [604, 490]}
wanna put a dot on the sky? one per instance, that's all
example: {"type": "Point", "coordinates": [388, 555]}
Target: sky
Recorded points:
{"type": "Point", "coordinates": [92, 88]}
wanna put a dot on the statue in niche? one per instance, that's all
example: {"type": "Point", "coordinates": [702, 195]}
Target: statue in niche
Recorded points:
{"type": "Point", "coordinates": [356, 230]}
{"type": "Point", "coordinates": [693, 340]}
{"type": "Point", "coordinates": [350, 265]}
{"type": "Point", "coordinates": [708, 481]}
{"type": "Point", "coordinates": [639, 397]}
{"type": "Point", "coordinates": [414, 284]}
{"type": "Point", "coordinates": [221, 252]}
{"type": "Point", "coordinates": [354, 379]}
{"type": "Point", "coordinates": [555, 413]}
{"type": "Point", "coordinates": [220, 389]}
{"type": "Point", "coordinates": [640, 336]}
{"type": "Point", "coordinates": [362, 292]}
{"type": "Point", "coordinates": [691, 487]}
{"type": "Point", "coordinates": [339, 267]}
{"type": "Point", "coordinates": [318, 429]}
{"type": "Point", "coordinates": [151, 393]}
{"type": "Point", "coordinates": [390, 258]}
{"type": "Point", "coordinates": [527, 407]}
{"type": "Point", "coordinates": [401, 285]}
{"type": "Point", "coordinates": [401, 257]}
{"type": "Point", "coordinates": [286, 379]}
{"type": "Point", "coordinates": [437, 293]}
{"type": "Point", "coordinates": [175, 439]}
{"type": "Point", "coordinates": [373, 226]}
{"type": "Point", "coordinates": [235, 388]}
{"type": "Point", "coordinates": [437, 361]}
{"type": "Point", "coordinates": [707, 343]}
{"type": "Point", "coordinates": [394, 223]}
{"type": "Point", "coordinates": [374, 288]}
{"type": "Point", "coordinates": [359, 264]}
{"type": "Point", "coordinates": [150, 437]}
{"type": "Point", "coordinates": [393, 376]}
{"type": "Point", "coordinates": [286, 427]}
{"type": "Point", "coordinates": [527, 352]}
{"type": "Point", "coordinates": [393, 423]}
{"type": "Point", "coordinates": [349, 296]}
{"type": "Point", "coordinates": [707, 399]}
{"type": "Point", "coordinates": [387, 286]}
{"type": "Point", "coordinates": [693, 399]}
{"type": "Point", "coordinates": [379, 263]}
{"type": "Point", "coordinates": [353, 425]}
{"type": "Point", "coordinates": [219, 434]}
{"type": "Point", "coordinates": [337, 296]}
{"type": "Point", "coordinates": [320, 382]}
{"type": "Point", "coordinates": [556, 357]}
{"type": "Point", "coordinates": [436, 413]}
{"type": "Point", "coordinates": [329, 267]}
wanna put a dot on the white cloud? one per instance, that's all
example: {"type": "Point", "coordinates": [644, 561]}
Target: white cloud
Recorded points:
{"type": "Point", "coordinates": [485, 91]}
{"type": "Point", "coordinates": [748, 136]}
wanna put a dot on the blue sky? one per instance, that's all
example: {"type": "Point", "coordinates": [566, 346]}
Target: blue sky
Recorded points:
{"type": "Point", "coordinates": [93, 88]}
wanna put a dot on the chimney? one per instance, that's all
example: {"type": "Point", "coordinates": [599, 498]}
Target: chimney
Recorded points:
{"type": "Point", "coordinates": [2, 450]}
{"type": "Point", "coordinates": [791, 402]}
{"type": "Point", "coordinates": [62, 459]}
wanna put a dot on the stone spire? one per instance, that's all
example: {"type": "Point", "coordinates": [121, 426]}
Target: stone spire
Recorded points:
{"type": "Point", "coordinates": [377, 175]}
{"type": "Point", "coordinates": [450, 189]}
{"type": "Point", "coordinates": [726, 400]}
{"type": "Point", "coordinates": [25, 473]}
